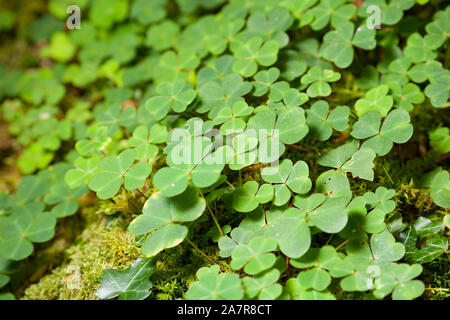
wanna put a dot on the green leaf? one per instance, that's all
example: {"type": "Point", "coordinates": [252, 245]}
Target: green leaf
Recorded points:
{"type": "Point", "coordinates": [291, 231]}
{"type": "Point", "coordinates": [174, 96]}
{"type": "Point", "coordinates": [27, 224]}
{"type": "Point", "coordinates": [252, 53]}
{"type": "Point", "coordinates": [318, 79]}
{"type": "Point", "coordinates": [212, 285]}
{"type": "Point", "coordinates": [162, 217]}
{"type": "Point", "coordinates": [130, 284]}
{"type": "Point", "coordinates": [322, 123]}
{"type": "Point", "coordinates": [375, 99]}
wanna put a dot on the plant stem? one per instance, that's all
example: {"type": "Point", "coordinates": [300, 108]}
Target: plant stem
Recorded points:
{"type": "Point", "coordinates": [141, 193]}
{"type": "Point", "coordinates": [341, 245]}
{"type": "Point", "coordinates": [212, 214]}
{"type": "Point", "coordinates": [204, 255]}
{"type": "Point", "coordinates": [230, 184]}
{"type": "Point", "coordinates": [387, 174]}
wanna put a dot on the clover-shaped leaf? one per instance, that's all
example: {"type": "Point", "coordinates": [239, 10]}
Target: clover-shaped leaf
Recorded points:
{"type": "Point", "coordinates": [390, 13]}
{"type": "Point", "coordinates": [338, 44]}
{"type": "Point", "coordinates": [144, 140]}
{"type": "Point", "coordinates": [437, 33]}
{"type": "Point", "coordinates": [190, 159]}
{"type": "Point", "coordinates": [232, 119]}
{"type": "Point", "coordinates": [218, 41]}
{"type": "Point", "coordinates": [115, 170]}
{"type": "Point", "coordinates": [253, 53]}
{"type": "Point", "coordinates": [130, 284]}
{"type": "Point", "coordinates": [407, 95]}
{"type": "Point", "coordinates": [271, 25]}
{"type": "Point", "coordinates": [147, 12]}
{"type": "Point", "coordinates": [84, 168]}
{"type": "Point", "coordinates": [375, 99]}
{"type": "Point", "coordinates": [216, 95]}
{"type": "Point", "coordinates": [290, 229]}
{"type": "Point", "coordinates": [255, 257]}
{"type": "Point", "coordinates": [320, 263]}
{"type": "Point", "coordinates": [397, 278]}
{"type": "Point", "coordinates": [438, 184]}
{"type": "Point", "coordinates": [248, 197]}
{"type": "Point", "coordinates": [97, 142]}
{"type": "Point", "coordinates": [162, 218]}
{"type": "Point", "coordinates": [287, 177]}
{"type": "Point", "coordinates": [212, 285]}
{"type": "Point", "coordinates": [321, 123]}
{"type": "Point", "coordinates": [440, 139]}
{"type": "Point", "coordinates": [243, 151]}
{"type": "Point", "coordinates": [396, 128]}
{"type": "Point", "coordinates": [105, 13]}
{"type": "Point", "coordinates": [273, 132]}
{"type": "Point", "coordinates": [174, 96]}
{"type": "Point", "coordinates": [26, 225]}
{"type": "Point", "coordinates": [439, 89]}
{"type": "Point", "coordinates": [417, 50]}
{"type": "Point", "coordinates": [297, 292]}
{"type": "Point", "coordinates": [162, 36]}
{"type": "Point", "coordinates": [63, 197]}
{"type": "Point", "coordinates": [319, 78]}
{"type": "Point", "coordinates": [349, 158]}
{"type": "Point", "coordinates": [264, 80]}
{"type": "Point", "coordinates": [335, 11]}
{"type": "Point", "coordinates": [384, 248]}
{"type": "Point", "coordinates": [264, 286]}
{"type": "Point", "coordinates": [178, 65]}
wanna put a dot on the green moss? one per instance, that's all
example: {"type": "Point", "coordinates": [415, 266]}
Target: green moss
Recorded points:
{"type": "Point", "coordinates": [104, 244]}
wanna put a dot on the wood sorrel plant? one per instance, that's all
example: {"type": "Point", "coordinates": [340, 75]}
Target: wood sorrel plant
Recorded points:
{"type": "Point", "coordinates": [278, 131]}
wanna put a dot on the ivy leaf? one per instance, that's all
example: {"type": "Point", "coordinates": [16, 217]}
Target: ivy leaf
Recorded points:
{"type": "Point", "coordinates": [375, 99]}
{"type": "Point", "coordinates": [252, 53]}
{"type": "Point", "coordinates": [174, 96]}
{"type": "Point", "coordinates": [162, 217]}
{"type": "Point", "coordinates": [212, 285]}
{"type": "Point", "coordinates": [130, 284]}
{"type": "Point", "coordinates": [322, 123]}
